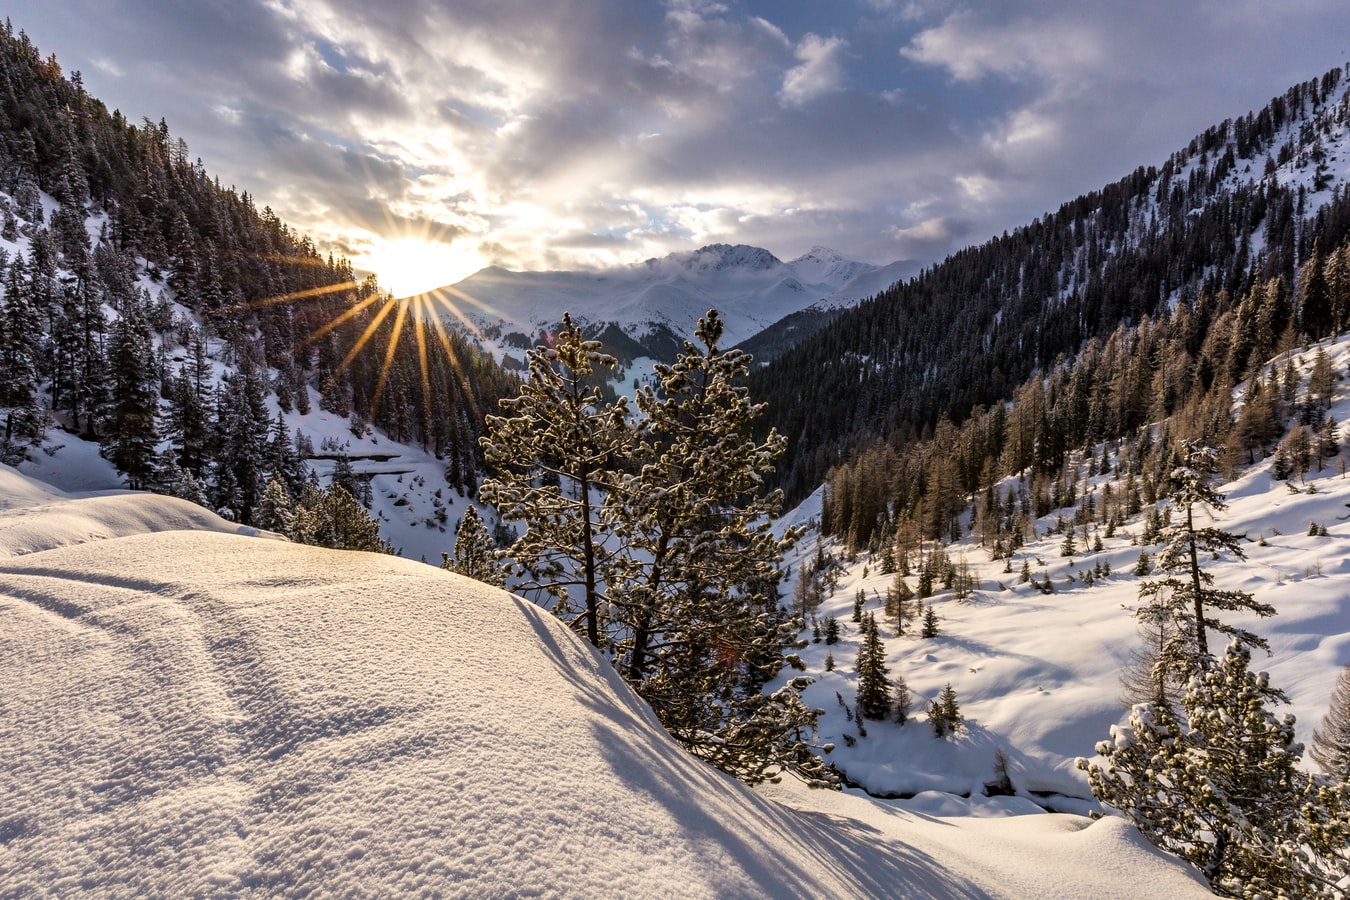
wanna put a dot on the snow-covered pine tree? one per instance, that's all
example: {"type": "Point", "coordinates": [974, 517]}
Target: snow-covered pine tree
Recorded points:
{"type": "Point", "coordinates": [695, 567]}
{"type": "Point", "coordinates": [1224, 791]}
{"type": "Point", "coordinates": [557, 445]}
{"type": "Point", "coordinates": [1186, 591]}
{"type": "Point", "coordinates": [874, 692]}
{"type": "Point", "coordinates": [474, 556]}
{"type": "Point", "coordinates": [1331, 743]}
{"type": "Point", "coordinates": [331, 517]}
{"type": "Point", "coordinates": [276, 508]}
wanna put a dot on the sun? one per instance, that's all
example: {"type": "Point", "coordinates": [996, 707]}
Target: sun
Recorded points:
{"type": "Point", "coordinates": [409, 266]}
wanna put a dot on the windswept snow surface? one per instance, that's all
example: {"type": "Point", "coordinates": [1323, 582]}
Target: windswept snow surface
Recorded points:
{"type": "Point", "coordinates": [185, 712]}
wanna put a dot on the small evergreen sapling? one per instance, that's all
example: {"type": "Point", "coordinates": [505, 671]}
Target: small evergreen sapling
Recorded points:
{"type": "Point", "coordinates": [831, 630]}
{"type": "Point", "coordinates": [944, 712]}
{"type": "Point", "coordinates": [930, 622]}
{"type": "Point", "coordinates": [903, 700]}
{"type": "Point", "coordinates": [474, 556]}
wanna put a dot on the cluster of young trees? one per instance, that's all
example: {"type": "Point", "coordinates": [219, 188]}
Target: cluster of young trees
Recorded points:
{"type": "Point", "coordinates": [651, 535]}
{"type": "Point", "coordinates": [1214, 778]}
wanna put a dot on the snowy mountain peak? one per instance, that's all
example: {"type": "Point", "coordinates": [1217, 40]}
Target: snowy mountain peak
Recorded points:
{"type": "Point", "coordinates": [822, 265]}
{"type": "Point", "coordinates": [657, 303]}
{"type": "Point", "coordinates": [717, 257]}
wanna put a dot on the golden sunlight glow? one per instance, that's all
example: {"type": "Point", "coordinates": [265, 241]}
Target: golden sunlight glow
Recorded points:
{"type": "Point", "coordinates": [409, 266]}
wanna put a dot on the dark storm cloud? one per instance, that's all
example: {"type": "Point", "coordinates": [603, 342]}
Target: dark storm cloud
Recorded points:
{"type": "Point", "coordinates": [587, 131]}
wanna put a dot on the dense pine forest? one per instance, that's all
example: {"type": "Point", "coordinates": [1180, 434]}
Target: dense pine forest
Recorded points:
{"type": "Point", "coordinates": [139, 242]}
{"type": "Point", "coordinates": [1151, 298]}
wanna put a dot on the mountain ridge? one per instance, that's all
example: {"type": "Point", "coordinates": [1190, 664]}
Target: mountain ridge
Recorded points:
{"type": "Point", "coordinates": [657, 302]}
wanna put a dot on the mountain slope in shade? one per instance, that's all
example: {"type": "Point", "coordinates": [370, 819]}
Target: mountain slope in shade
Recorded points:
{"type": "Point", "coordinates": [190, 712]}
{"type": "Point", "coordinates": [659, 301]}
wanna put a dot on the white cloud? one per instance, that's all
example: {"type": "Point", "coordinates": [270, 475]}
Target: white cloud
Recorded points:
{"type": "Point", "coordinates": [971, 48]}
{"type": "Point", "coordinates": [821, 70]}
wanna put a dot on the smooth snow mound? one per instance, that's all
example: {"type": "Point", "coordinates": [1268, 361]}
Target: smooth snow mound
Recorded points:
{"type": "Point", "coordinates": [190, 712]}
{"type": "Point", "coordinates": [36, 517]}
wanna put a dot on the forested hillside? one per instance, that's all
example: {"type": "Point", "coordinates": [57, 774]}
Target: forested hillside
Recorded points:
{"type": "Point", "coordinates": [131, 276]}
{"type": "Point", "coordinates": [1162, 288]}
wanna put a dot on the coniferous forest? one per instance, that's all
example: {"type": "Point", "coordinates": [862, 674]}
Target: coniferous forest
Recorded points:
{"type": "Point", "coordinates": [1152, 297]}
{"type": "Point", "coordinates": [285, 320]}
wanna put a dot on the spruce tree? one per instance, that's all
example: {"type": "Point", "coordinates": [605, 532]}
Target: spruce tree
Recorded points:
{"type": "Point", "coordinates": [902, 699]}
{"type": "Point", "coordinates": [474, 555]}
{"type": "Point", "coordinates": [931, 626]}
{"type": "Point", "coordinates": [20, 344]}
{"type": "Point", "coordinates": [945, 712]}
{"type": "Point", "coordinates": [831, 630]}
{"type": "Point", "coordinates": [132, 437]}
{"type": "Point", "coordinates": [874, 698]}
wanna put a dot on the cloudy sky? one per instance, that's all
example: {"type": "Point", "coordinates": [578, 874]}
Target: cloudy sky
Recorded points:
{"type": "Point", "coordinates": [425, 138]}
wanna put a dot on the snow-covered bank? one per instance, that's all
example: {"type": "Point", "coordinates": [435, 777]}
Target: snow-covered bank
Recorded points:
{"type": "Point", "coordinates": [185, 711]}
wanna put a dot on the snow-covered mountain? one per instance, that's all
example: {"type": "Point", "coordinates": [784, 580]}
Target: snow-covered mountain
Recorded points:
{"type": "Point", "coordinates": [656, 303]}
{"type": "Point", "coordinates": [187, 710]}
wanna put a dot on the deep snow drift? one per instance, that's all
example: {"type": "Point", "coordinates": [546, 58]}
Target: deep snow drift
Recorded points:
{"type": "Point", "coordinates": [186, 710]}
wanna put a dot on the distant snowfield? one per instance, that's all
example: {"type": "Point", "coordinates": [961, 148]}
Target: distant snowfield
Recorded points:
{"type": "Point", "coordinates": [190, 711]}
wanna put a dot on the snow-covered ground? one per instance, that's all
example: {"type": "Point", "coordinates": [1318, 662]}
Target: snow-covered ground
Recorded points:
{"type": "Point", "coordinates": [1038, 675]}
{"type": "Point", "coordinates": [187, 710]}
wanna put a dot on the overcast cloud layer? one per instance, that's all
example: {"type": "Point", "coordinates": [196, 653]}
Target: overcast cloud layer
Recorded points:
{"type": "Point", "coordinates": [563, 134]}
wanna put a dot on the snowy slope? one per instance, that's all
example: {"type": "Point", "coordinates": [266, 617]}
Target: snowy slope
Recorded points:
{"type": "Point", "coordinates": [190, 712]}
{"type": "Point", "coordinates": [1038, 675]}
{"type": "Point", "coordinates": [749, 287]}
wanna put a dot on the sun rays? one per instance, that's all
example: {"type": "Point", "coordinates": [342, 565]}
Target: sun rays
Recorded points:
{"type": "Point", "coordinates": [370, 308]}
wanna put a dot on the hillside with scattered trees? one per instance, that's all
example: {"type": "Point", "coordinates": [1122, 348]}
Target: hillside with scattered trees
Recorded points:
{"type": "Point", "coordinates": [136, 278]}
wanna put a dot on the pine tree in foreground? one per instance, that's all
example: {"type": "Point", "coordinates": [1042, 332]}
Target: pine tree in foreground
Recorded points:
{"type": "Point", "coordinates": [474, 556]}
{"type": "Point", "coordinates": [694, 568]}
{"type": "Point", "coordinates": [1224, 792]}
{"type": "Point", "coordinates": [1331, 742]}
{"type": "Point", "coordinates": [557, 445]}
{"type": "Point", "coordinates": [663, 526]}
